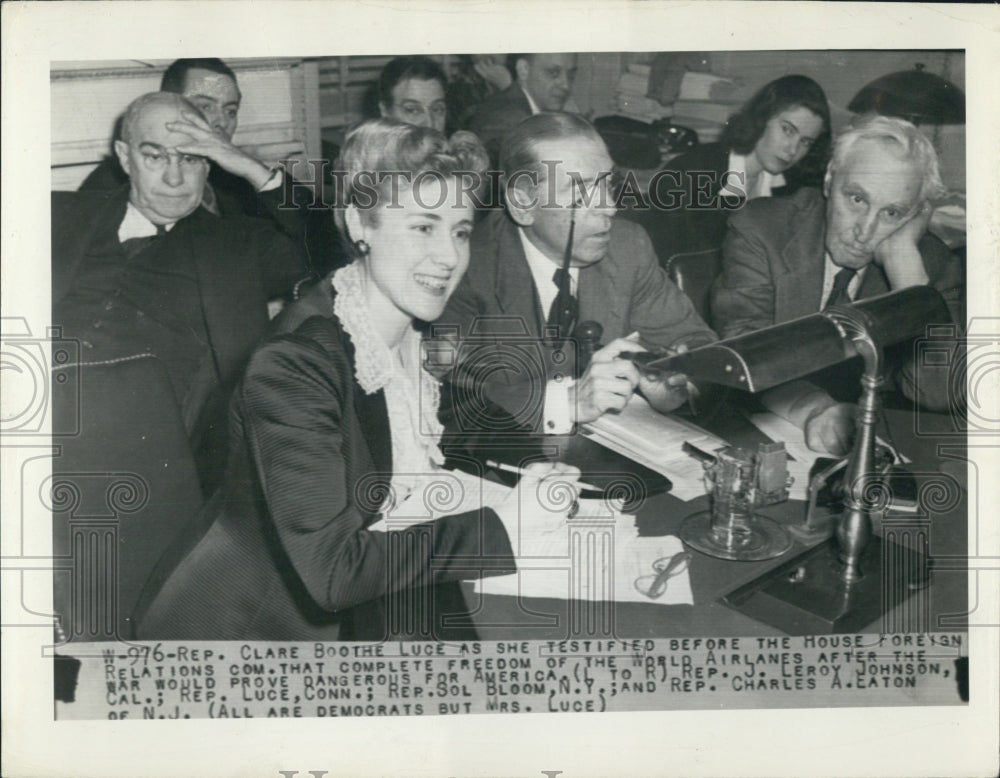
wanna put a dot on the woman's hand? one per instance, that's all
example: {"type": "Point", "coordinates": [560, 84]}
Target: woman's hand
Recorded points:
{"type": "Point", "coordinates": [547, 492]}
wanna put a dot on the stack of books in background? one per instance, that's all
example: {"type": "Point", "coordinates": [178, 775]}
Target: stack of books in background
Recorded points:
{"type": "Point", "coordinates": [704, 104]}
{"type": "Point", "coordinates": [704, 101]}
{"type": "Point", "coordinates": [631, 96]}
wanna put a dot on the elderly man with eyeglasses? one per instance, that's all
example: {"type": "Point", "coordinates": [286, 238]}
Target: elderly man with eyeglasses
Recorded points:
{"type": "Point", "coordinates": [555, 258]}
{"type": "Point", "coordinates": [147, 269]}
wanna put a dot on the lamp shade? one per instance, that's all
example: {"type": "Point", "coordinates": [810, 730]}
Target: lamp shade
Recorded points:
{"type": "Point", "coordinates": [914, 95]}
{"type": "Point", "coordinates": [775, 355]}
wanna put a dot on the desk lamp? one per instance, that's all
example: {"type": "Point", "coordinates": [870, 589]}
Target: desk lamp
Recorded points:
{"type": "Point", "coordinates": [844, 584]}
{"type": "Point", "coordinates": [915, 95]}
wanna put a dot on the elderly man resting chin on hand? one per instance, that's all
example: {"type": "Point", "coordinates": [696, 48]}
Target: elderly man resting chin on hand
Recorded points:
{"type": "Point", "coordinates": [864, 235]}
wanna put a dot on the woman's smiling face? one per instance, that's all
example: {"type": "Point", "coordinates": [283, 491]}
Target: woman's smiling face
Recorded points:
{"type": "Point", "coordinates": [418, 249]}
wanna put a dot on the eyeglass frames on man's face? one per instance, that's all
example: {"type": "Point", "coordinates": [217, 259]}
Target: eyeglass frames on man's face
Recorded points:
{"type": "Point", "coordinates": [601, 192]}
{"type": "Point", "coordinates": [158, 158]}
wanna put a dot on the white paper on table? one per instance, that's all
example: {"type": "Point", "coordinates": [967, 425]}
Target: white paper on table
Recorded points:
{"type": "Point", "coordinates": [596, 555]}
{"type": "Point", "coordinates": [777, 428]}
{"type": "Point", "coordinates": [596, 563]}
{"type": "Point", "coordinates": [655, 440]}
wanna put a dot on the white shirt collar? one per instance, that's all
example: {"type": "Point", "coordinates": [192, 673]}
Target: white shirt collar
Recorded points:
{"type": "Point", "coordinates": [542, 270]}
{"type": "Point", "coordinates": [136, 225]}
{"type": "Point", "coordinates": [736, 184]}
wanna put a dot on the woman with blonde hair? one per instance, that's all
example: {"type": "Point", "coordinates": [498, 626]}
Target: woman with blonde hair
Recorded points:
{"type": "Point", "coordinates": [335, 428]}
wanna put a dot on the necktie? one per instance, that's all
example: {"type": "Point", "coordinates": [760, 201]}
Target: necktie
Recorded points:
{"type": "Point", "coordinates": [565, 307]}
{"type": "Point", "coordinates": [133, 246]}
{"type": "Point", "coordinates": [839, 295]}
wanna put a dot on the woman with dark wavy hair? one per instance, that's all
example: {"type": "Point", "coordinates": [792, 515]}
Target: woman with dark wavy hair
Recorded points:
{"type": "Point", "coordinates": [323, 529]}
{"type": "Point", "coordinates": [776, 143]}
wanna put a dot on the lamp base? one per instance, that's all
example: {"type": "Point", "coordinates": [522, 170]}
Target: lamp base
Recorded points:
{"type": "Point", "coordinates": [816, 527]}
{"type": "Point", "coordinates": [765, 540]}
{"type": "Point", "coordinates": [807, 595]}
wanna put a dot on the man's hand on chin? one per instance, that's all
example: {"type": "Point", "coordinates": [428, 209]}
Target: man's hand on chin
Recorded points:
{"type": "Point", "coordinates": [898, 255]}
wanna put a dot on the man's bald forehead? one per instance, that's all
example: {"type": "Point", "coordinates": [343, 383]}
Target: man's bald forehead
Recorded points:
{"type": "Point", "coordinates": [141, 106]}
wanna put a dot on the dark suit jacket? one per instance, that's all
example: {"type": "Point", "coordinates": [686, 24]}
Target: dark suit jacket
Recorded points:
{"type": "Point", "coordinates": [496, 315]}
{"type": "Point", "coordinates": [495, 117]}
{"type": "Point", "coordinates": [773, 261]}
{"type": "Point", "coordinates": [310, 228]}
{"type": "Point", "coordinates": [240, 263]}
{"type": "Point", "coordinates": [288, 555]}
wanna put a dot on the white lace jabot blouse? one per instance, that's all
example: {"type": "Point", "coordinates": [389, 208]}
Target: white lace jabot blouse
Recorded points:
{"type": "Point", "coordinates": [411, 393]}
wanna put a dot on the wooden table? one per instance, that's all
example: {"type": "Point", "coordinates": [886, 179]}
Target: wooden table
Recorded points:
{"type": "Point", "coordinates": [936, 448]}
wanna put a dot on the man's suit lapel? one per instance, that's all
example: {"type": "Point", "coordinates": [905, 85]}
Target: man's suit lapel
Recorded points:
{"type": "Point", "coordinates": [231, 301]}
{"type": "Point", "coordinates": [797, 290]}
{"type": "Point", "coordinates": [73, 233]}
{"type": "Point", "coordinates": [598, 292]}
{"type": "Point", "coordinates": [514, 279]}
{"type": "Point", "coordinates": [601, 297]}
{"type": "Point", "coordinates": [515, 99]}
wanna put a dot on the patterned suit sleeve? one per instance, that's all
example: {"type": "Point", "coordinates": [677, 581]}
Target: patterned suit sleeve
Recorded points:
{"type": "Point", "coordinates": [662, 313]}
{"type": "Point", "coordinates": [743, 294]}
{"type": "Point", "coordinates": [947, 274]}
{"type": "Point", "coordinates": [297, 437]}
{"type": "Point", "coordinates": [929, 383]}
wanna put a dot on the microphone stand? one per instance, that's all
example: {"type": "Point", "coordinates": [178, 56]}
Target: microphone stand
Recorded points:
{"type": "Point", "coordinates": [586, 334]}
{"type": "Point", "coordinates": [565, 306]}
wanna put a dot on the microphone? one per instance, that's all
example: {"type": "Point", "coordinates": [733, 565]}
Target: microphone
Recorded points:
{"type": "Point", "coordinates": [588, 336]}
{"type": "Point", "coordinates": [566, 304]}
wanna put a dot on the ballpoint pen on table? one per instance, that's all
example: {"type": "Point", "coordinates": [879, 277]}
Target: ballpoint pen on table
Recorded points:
{"type": "Point", "coordinates": [523, 472]}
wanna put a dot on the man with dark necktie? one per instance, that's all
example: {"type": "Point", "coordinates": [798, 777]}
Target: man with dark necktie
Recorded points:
{"type": "Point", "coordinates": [146, 269]}
{"type": "Point", "coordinates": [865, 234]}
{"type": "Point", "coordinates": [552, 260]}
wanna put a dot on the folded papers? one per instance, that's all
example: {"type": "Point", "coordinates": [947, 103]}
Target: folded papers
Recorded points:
{"type": "Point", "coordinates": [596, 556]}
{"type": "Point", "coordinates": [653, 439]}
{"type": "Point", "coordinates": [594, 561]}
{"type": "Point", "coordinates": [803, 457]}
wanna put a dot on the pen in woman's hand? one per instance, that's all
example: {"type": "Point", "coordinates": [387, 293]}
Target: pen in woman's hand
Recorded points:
{"type": "Point", "coordinates": [504, 467]}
